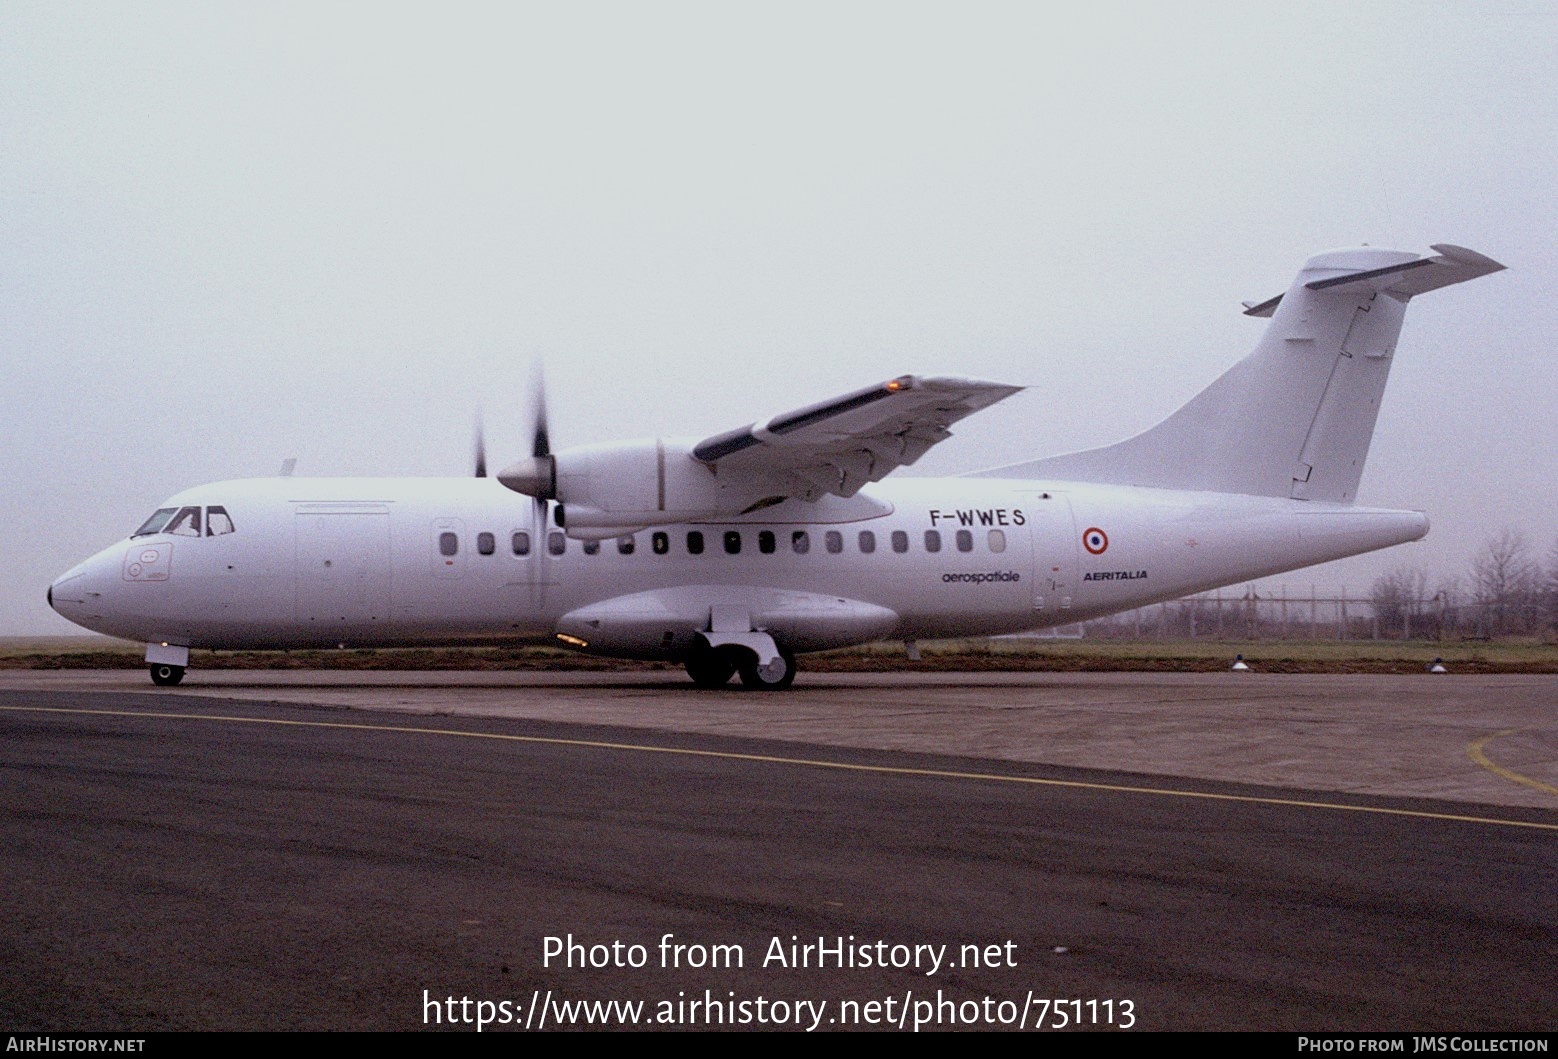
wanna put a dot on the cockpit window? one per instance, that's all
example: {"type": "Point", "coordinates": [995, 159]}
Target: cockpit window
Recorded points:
{"type": "Point", "coordinates": [218, 522]}
{"type": "Point", "coordinates": [154, 524]}
{"type": "Point", "coordinates": [186, 523]}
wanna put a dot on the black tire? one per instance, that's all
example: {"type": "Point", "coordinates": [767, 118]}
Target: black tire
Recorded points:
{"type": "Point", "coordinates": [165, 676]}
{"type": "Point", "coordinates": [776, 677]}
{"type": "Point", "coordinates": [710, 667]}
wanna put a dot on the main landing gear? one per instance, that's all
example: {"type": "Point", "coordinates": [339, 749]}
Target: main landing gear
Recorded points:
{"type": "Point", "coordinates": [164, 675]}
{"type": "Point", "coordinates": [712, 667]}
{"type": "Point", "coordinates": [775, 676]}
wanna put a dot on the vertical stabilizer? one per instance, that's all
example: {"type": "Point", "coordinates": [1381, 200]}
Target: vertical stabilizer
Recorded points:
{"type": "Point", "coordinates": [1295, 417]}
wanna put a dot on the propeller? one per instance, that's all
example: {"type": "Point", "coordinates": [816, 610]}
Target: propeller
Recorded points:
{"type": "Point", "coordinates": [541, 444]}
{"type": "Point", "coordinates": [537, 475]}
{"type": "Point", "coordinates": [480, 447]}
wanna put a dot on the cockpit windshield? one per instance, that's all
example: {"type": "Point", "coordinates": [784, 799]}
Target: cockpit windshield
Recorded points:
{"type": "Point", "coordinates": [187, 522]}
{"type": "Point", "coordinates": [154, 524]}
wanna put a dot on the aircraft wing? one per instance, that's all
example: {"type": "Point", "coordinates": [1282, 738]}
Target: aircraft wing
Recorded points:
{"type": "Point", "coordinates": [840, 445]}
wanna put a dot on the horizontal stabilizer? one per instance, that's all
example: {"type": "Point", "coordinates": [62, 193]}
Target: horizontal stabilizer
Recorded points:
{"type": "Point", "coordinates": [1454, 264]}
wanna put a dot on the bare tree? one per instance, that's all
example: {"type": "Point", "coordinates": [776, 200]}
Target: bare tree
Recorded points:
{"type": "Point", "coordinates": [1398, 597]}
{"type": "Point", "coordinates": [1505, 582]}
{"type": "Point", "coordinates": [1446, 606]}
{"type": "Point", "coordinates": [1550, 589]}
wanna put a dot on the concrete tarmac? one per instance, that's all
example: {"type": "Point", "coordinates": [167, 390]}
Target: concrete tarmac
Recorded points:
{"type": "Point", "coordinates": [337, 850]}
{"type": "Point", "coordinates": [1489, 740]}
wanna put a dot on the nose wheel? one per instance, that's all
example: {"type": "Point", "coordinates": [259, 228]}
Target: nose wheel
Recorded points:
{"type": "Point", "coordinates": [164, 675]}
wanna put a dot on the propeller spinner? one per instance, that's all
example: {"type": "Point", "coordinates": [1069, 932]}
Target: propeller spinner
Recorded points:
{"type": "Point", "coordinates": [536, 476]}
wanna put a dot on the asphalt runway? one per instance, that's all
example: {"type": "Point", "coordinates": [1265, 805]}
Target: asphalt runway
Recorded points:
{"type": "Point", "coordinates": [281, 850]}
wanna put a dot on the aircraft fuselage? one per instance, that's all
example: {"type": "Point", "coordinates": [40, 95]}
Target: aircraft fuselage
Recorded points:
{"type": "Point", "coordinates": [384, 562]}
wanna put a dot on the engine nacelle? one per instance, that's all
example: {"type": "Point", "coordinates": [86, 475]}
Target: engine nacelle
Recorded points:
{"type": "Point", "coordinates": [618, 487]}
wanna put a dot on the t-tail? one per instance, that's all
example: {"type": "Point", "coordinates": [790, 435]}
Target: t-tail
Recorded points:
{"type": "Point", "coordinates": [1295, 417]}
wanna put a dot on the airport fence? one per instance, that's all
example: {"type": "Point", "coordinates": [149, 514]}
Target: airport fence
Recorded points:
{"type": "Point", "coordinates": [1307, 613]}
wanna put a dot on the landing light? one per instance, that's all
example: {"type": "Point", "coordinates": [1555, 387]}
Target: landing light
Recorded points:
{"type": "Point", "coordinates": [572, 641]}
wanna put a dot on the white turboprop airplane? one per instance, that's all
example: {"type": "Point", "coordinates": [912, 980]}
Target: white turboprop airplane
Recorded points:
{"type": "Point", "coordinates": [738, 552]}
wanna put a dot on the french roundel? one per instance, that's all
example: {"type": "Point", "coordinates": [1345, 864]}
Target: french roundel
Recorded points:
{"type": "Point", "coordinates": [1095, 540]}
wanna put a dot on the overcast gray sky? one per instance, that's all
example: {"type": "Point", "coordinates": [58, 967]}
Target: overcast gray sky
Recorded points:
{"type": "Point", "coordinates": [330, 230]}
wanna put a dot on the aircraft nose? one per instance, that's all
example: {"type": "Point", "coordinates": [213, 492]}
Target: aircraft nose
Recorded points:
{"type": "Point", "coordinates": [80, 595]}
{"type": "Point", "coordinates": [68, 589]}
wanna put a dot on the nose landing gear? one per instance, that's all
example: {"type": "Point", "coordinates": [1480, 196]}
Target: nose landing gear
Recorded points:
{"type": "Point", "coordinates": [167, 661]}
{"type": "Point", "coordinates": [164, 675]}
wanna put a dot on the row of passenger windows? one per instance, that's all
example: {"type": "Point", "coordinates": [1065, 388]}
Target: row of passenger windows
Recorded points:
{"type": "Point", "coordinates": [731, 540]}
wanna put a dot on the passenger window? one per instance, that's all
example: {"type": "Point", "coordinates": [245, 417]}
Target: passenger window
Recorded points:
{"type": "Point", "coordinates": [486, 543]}
{"type": "Point", "coordinates": [625, 545]}
{"type": "Point", "coordinates": [833, 540]}
{"type": "Point", "coordinates": [217, 522]}
{"type": "Point", "coordinates": [592, 547]}
{"type": "Point", "coordinates": [660, 543]}
{"type": "Point", "coordinates": [448, 544]}
{"type": "Point", "coordinates": [900, 541]}
{"type": "Point", "coordinates": [965, 540]}
{"type": "Point", "coordinates": [765, 541]}
{"type": "Point", "coordinates": [998, 540]}
{"type": "Point", "coordinates": [933, 540]}
{"type": "Point", "coordinates": [520, 542]}
{"type": "Point", "coordinates": [556, 543]}
{"type": "Point", "coordinates": [694, 543]}
{"type": "Point", "coordinates": [867, 542]}
{"type": "Point", "coordinates": [732, 542]}
{"type": "Point", "coordinates": [186, 523]}
{"type": "Point", "coordinates": [800, 542]}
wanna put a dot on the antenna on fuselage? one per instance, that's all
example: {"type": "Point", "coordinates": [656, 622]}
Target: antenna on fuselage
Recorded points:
{"type": "Point", "coordinates": [288, 465]}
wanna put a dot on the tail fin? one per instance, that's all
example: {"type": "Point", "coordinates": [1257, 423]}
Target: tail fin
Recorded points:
{"type": "Point", "coordinates": [1295, 417]}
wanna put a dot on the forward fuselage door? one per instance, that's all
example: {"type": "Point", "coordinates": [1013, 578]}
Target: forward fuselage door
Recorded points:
{"type": "Point", "coordinates": [1054, 536]}
{"type": "Point", "coordinates": [343, 566]}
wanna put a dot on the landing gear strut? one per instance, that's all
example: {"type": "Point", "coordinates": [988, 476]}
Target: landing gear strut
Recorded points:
{"type": "Point", "coordinates": [164, 675]}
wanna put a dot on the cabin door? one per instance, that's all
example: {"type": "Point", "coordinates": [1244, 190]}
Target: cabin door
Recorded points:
{"type": "Point", "coordinates": [1053, 532]}
{"type": "Point", "coordinates": [343, 568]}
